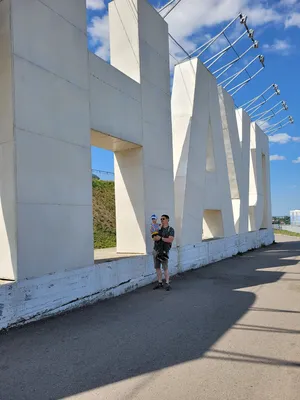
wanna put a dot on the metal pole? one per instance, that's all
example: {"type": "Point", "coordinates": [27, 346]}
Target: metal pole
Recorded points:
{"type": "Point", "coordinates": [234, 76]}
{"type": "Point", "coordinates": [240, 86]}
{"type": "Point", "coordinates": [212, 40]}
{"type": "Point", "coordinates": [270, 128]}
{"type": "Point", "coordinates": [255, 108]}
{"type": "Point", "coordinates": [171, 9]}
{"type": "Point", "coordinates": [167, 5]}
{"type": "Point", "coordinates": [264, 121]}
{"type": "Point", "coordinates": [274, 113]}
{"type": "Point", "coordinates": [277, 129]}
{"type": "Point", "coordinates": [231, 63]}
{"type": "Point", "coordinates": [175, 41]}
{"type": "Point", "coordinates": [263, 113]}
{"type": "Point", "coordinates": [255, 98]}
{"type": "Point", "coordinates": [222, 52]}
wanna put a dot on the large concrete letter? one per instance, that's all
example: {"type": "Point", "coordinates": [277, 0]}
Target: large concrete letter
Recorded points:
{"type": "Point", "coordinates": [144, 179]}
{"type": "Point", "coordinates": [45, 167]}
{"type": "Point", "coordinates": [259, 186]}
{"type": "Point", "coordinates": [236, 133]}
{"type": "Point", "coordinates": [58, 99]}
{"type": "Point", "coordinates": [202, 192]}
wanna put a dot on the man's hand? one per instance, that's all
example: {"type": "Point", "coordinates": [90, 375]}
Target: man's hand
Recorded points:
{"type": "Point", "coordinates": [156, 238]}
{"type": "Point", "coordinates": [168, 240]}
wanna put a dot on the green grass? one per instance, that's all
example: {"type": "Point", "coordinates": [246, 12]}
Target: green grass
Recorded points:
{"type": "Point", "coordinates": [103, 239]}
{"type": "Point", "coordinates": [287, 233]}
{"type": "Point", "coordinates": [104, 214]}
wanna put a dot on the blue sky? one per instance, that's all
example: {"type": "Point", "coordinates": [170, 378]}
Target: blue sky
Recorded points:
{"type": "Point", "coordinates": [277, 28]}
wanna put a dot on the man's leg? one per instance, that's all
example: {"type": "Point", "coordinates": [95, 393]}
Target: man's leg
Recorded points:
{"type": "Point", "coordinates": [167, 276]}
{"type": "Point", "coordinates": [166, 273]}
{"type": "Point", "coordinates": [159, 275]}
{"type": "Point", "coordinates": [158, 271]}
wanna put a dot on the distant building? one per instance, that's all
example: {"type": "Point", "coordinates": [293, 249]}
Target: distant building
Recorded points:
{"type": "Point", "coordinates": [295, 217]}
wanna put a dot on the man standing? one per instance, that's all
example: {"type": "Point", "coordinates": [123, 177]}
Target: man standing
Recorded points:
{"type": "Point", "coordinates": [165, 234]}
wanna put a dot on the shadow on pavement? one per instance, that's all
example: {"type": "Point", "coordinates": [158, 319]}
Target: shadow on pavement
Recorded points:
{"type": "Point", "coordinates": [138, 333]}
{"type": "Point", "coordinates": [260, 328]}
{"type": "Point", "coordinates": [249, 358]}
{"type": "Point", "coordinates": [263, 309]}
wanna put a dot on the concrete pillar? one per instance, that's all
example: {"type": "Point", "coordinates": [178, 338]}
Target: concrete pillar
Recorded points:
{"type": "Point", "coordinates": [190, 145]}
{"type": "Point", "coordinates": [46, 200]}
{"type": "Point", "coordinates": [202, 188]}
{"type": "Point", "coordinates": [243, 124]}
{"type": "Point", "coordinates": [8, 235]}
{"type": "Point", "coordinates": [236, 134]}
{"type": "Point", "coordinates": [260, 215]}
{"type": "Point", "coordinates": [140, 49]}
{"type": "Point", "coordinates": [130, 206]}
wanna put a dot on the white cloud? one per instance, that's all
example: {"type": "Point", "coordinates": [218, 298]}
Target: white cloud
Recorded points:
{"type": "Point", "coordinates": [297, 161]}
{"type": "Point", "coordinates": [95, 4]}
{"type": "Point", "coordinates": [276, 157]}
{"type": "Point", "coordinates": [103, 52]}
{"type": "Point", "coordinates": [287, 2]}
{"type": "Point", "coordinates": [283, 138]}
{"type": "Point", "coordinates": [260, 15]}
{"type": "Point", "coordinates": [281, 46]}
{"type": "Point", "coordinates": [189, 17]}
{"type": "Point", "coordinates": [189, 20]}
{"type": "Point", "coordinates": [99, 32]}
{"type": "Point", "coordinates": [293, 20]}
{"type": "Point", "coordinates": [264, 125]}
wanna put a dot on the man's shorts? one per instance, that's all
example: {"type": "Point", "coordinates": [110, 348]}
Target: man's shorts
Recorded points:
{"type": "Point", "coordinates": [158, 263]}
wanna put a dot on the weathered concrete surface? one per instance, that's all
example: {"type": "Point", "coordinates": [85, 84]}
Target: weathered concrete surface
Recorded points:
{"type": "Point", "coordinates": [228, 331]}
{"type": "Point", "coordinates": [102, 255]}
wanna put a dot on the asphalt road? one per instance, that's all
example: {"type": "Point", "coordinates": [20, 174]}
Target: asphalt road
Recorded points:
{"type": "Point", "coordinates": [227, 331]}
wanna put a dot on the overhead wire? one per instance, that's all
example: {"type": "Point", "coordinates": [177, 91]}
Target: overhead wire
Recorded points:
{"type": "Point", "coordinates": [202, 48]}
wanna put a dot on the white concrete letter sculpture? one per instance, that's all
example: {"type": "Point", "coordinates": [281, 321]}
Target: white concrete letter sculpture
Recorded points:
{"type": "Point", "coordinates": [57, 99]}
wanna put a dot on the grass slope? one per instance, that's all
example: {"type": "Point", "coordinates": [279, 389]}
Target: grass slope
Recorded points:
{"type": "Point", "coordinates": [104, 214]}
{"type": "Point", "coordinates": [286, 233]}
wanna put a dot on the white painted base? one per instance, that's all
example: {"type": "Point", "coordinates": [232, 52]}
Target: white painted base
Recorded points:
{"type": "Point", "coordinates": [29, 300]}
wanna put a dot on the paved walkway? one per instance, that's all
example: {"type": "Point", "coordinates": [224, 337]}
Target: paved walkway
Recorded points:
{"type": "Point", "coordinates": [230, 331]}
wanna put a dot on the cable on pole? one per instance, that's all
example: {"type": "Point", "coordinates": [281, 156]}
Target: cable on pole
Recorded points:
{"type": "Point", "coordinates": [251, 108]}
{"type": "Point", "coordinates": [234, 90]}
{"type": "Point", "coordinates": [217, 56]}
{"type": "Point", "coordinates": [250, 102]}
{"type": "Point", "coordinates": [272, 128]}
{"type": "Point", "coordinates": [211, 41]}
{"type": "Point", "coordinates": [171, 8]}
{"type": "Point", "coordinates": [179, 45]}
{"type": "Point", "coordinates": [226, 82]}
{"type": "Point", "coordinates": [253, 105]}
{"type": "Point", "coordinates": [231, 46]}
{"type": "Point", "coordinates": [227, 66]}
{"type": "Point", "coordinates": [263, 117]}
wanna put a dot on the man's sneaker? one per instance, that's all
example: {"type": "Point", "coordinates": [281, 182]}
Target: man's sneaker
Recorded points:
{"type": "Point", "coordinates": [159, 285]}
{"type": "Point", "coordinates": [168, 287]}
